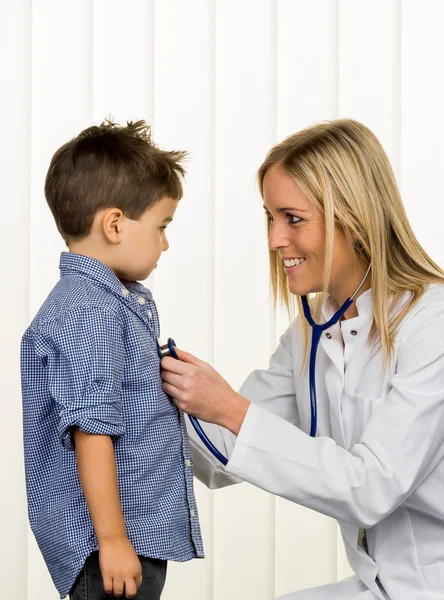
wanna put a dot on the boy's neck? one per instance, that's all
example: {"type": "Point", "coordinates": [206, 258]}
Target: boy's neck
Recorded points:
{"type": "Point", "coordinates": [89, 247]}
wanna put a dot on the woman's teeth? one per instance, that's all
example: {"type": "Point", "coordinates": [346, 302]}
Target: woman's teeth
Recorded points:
{"type": "Point", "coordinates": [293, 262]}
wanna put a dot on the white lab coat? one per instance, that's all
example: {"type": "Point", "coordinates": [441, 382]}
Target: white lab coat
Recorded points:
{"type": "Point", "coordinates": [378, 459]}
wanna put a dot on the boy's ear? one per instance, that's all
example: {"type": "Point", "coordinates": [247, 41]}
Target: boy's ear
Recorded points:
{"type": "Point", "coordinates": [112, 224]}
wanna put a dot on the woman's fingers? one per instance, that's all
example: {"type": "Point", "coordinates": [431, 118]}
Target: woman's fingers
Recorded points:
{"type": "Point", "coordinates": [171, 378]}
{"type": "Point", "coordinates": [171, 390]}
{"type": "Point", "coordinates": [174, 366]}
{"type": "Point", "coordinates": [195, 387]}
{"type": "Point", "coordinates": [189, 358]}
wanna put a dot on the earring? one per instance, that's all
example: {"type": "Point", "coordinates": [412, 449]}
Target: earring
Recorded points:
{"type": "Point", "coordinates": [357, 245]}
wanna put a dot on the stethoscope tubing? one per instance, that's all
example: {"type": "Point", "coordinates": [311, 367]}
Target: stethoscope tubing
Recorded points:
{"type": "Point", "coordinates": [317, 331]}
{"type": "Point", "coordinates": [169, 350]}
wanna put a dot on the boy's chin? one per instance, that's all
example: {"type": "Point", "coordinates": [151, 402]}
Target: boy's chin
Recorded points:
{"type": "Point", "coordinates": [147, 273]}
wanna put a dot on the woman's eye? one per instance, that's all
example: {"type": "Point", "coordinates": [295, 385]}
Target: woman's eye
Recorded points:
{"type": "Point", "coordinates": [292, 219]}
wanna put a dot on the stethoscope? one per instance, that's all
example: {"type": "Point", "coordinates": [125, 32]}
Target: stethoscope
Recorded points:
{"type": "Point", "coordinates": [168, 350]}
{"type": "Point", "coordinates": [317, 331]}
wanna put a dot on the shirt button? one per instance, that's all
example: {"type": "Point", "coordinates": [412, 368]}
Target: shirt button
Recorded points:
{"type": "Point", "coordinates": [125, 292]}
{"type": "Point", "coordinates": [354, 332]}
{"type": "Point", "coordinates": [328, 335]}
{"type": "Point", "coordinates": [141, 300]}
{"type": "Point", "coordinates": [192, 512]}
{"type": "Point", "coordinates": [188, 463]}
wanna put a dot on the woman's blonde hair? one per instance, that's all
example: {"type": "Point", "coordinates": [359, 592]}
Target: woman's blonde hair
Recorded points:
{"type": "Point", "coordinates": [342, 169]}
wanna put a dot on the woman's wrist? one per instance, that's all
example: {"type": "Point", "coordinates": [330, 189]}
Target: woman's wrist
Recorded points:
{"type": "Point", "coordinates": [236, 409]}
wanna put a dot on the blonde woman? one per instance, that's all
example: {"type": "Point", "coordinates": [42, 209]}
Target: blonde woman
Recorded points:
{"type": "Point", "coordinates": [375, 457]}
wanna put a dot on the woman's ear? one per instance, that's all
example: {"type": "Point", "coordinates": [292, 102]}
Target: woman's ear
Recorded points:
{"type": "Point", "coordinates": [112, 224]}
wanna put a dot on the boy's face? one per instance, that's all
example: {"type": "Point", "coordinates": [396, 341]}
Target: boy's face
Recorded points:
{"type": "Point", "coordinates": [144, 240]}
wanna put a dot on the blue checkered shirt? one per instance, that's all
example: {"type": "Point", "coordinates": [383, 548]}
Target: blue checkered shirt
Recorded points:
{"type": "Point", "coordinates": [89, 360]}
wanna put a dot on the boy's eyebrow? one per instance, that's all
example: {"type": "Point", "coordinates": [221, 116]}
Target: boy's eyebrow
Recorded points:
{"type": "Point", "coordinates": [280, 210]}
{"type": "Point", "coordinates": [167, 220]}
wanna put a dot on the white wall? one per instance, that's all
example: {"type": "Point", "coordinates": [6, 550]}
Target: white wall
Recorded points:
{"type": "Point", "coordinates": [224, 79]}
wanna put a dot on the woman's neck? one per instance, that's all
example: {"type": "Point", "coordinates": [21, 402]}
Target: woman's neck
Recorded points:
{"type": "Point", "coordinates": [341, 295]}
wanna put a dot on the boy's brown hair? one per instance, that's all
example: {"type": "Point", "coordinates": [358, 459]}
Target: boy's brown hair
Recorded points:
{"type": "Point", "coordinates": [109, 166]}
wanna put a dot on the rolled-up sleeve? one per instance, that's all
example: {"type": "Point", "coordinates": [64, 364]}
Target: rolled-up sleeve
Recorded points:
{"type": "Point", "coordinates": [85, 371]}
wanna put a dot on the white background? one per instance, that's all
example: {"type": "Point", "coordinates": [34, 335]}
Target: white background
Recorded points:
{"type": "Point", "coordinates": [224, 79]}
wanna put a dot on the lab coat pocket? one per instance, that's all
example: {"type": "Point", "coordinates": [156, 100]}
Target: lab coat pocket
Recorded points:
{"type": "Point", "coordinates": [366, 406]}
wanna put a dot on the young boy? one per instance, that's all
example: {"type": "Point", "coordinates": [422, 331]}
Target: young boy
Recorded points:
{"type": "Point", "coordinates": [108, 469]}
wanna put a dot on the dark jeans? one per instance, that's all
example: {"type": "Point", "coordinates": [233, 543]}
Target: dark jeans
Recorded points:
{"type": "Point", "coordinates": [89, 583]}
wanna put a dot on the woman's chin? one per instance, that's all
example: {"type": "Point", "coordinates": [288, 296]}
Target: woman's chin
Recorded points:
{"type": "Point", "coordinates": [298, 289]}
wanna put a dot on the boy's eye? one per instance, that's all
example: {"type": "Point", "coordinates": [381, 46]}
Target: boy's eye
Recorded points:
{"type": "Point", "coordinates": [163, 228]}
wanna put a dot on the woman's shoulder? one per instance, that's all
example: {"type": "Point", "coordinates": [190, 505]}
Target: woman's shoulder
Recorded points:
{"type": "Point", "coordinates": [431, 299]}
{"type": "Point", "coordinates": [429, 307]}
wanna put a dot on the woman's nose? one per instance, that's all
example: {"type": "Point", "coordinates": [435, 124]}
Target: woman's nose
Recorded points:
{"type": "Point", "coordinates": [277, 237]}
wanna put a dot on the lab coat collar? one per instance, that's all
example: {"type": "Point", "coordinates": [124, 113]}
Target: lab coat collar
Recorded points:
{"type": "Point", "coordinates": [363, 304]}
{"type": "Point", "coordinates": [363, 321]}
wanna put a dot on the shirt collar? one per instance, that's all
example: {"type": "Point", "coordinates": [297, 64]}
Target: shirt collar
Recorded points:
{"type": "Point", "coordinates": [363, 304]}
{"type": "Point", "coordinates": [89, 267]}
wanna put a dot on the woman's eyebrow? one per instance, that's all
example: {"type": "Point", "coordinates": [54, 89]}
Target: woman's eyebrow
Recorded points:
{"type": "Point", "coordinates": [291, 208]}
{"type": "Point", "coordinates": [280, 210]}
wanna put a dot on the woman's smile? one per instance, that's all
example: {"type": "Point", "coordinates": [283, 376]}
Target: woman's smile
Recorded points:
{"type": "Point", "coordinates": [292, 264]}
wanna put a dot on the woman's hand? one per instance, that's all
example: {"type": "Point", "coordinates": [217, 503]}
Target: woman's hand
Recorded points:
{"type": "Point", "coordinates": [199, 390]}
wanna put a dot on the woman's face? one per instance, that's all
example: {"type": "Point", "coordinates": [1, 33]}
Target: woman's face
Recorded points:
{"type": "Point", "coordinates": [297, 232]}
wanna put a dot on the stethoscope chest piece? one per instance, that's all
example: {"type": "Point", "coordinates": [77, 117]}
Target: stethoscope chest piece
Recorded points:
{"type": "Point", "coordinates": [167, 349]}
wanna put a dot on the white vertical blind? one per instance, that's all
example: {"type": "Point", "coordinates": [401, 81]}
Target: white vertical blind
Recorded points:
{"type": "Point", "coordinates": [422, 126]}
{"type": "Point", "coordinates": [225, 80]}
{"type": "Point", "coordinates": [15, 161]}
{"type": "Point", "coordinates": [121, 62]}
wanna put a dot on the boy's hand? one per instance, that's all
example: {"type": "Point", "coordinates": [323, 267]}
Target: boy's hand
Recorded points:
{"type": "Point", "coordinates": [121, 568]}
